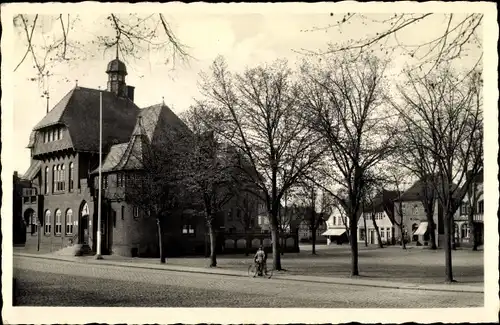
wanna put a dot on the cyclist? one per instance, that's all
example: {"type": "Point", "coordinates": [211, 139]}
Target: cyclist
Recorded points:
{"type": "Point", "coordinates": [260, 260]}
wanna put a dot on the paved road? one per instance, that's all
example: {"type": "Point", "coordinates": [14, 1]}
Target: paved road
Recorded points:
{"type": "Point", "coordinates": [58, 283]}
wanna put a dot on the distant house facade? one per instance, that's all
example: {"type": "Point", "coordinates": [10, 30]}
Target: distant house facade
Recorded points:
{"type": "Point", "coordinates": [381, 209]}
{"type": "Point", "coordinates": [462, 228]}
{"type": "Point", "coordinates": [415, 223]}
{"type": "Point", "coordinates": [337, 226]}
{"type": "Point", "coordinates": [19, 225]}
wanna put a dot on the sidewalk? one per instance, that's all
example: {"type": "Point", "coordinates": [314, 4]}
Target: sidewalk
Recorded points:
{"type": "Point", "coordinates": [455, 287]}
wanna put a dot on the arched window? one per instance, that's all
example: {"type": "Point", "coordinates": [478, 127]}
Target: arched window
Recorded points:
{"type": "Point", "coordinates": [465, 230]}
{"type": "Point", "coordinates": [54, 178]}
{"type": "Point", "coordinates": [46, 180]}
{"type": "Point", "coordinates": [71, 176]}
{"type": "Point", "coordinates": [46, 222]}
{"type": "Point", "coordinates": [69, 222]}
{"type": "Point", "coordinates": [58, 222]}
{"type": "Point", "coordinates": [63, 178]}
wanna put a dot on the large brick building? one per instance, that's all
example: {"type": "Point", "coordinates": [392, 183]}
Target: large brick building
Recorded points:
{"type": "Point", "coordinates": [60, 207]}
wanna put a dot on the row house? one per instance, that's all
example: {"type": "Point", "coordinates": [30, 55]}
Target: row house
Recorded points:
{"type": "Point", "coordinates": [473, 202]}
{"type": "Point", "coordinates": [378, 214]}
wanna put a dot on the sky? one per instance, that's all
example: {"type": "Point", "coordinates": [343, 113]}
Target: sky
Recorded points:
{"type": "Point", "coordinates": [243, 38]}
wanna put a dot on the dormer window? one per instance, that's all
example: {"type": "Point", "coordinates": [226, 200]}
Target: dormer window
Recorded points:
{"type": "Point", "coordinates": [53, 134]}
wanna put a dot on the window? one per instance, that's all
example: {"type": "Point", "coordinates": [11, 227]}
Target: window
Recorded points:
{"type": "Point", "coordinates": [188, 229]}
{"type": "Point", "coordinates": [135, 213]}
{"type": "Point", "coordinates": [465, 230]}
{"type": "Point", "coordinates": [63, 178]}
{"type": "Point", "coordinates": [46, 180]}
{"type": "Point", "coordinates": [54, 133]}
{"type": "Point", "coordinates": [45, 137]}
{"type": "Point", "coordinates": [69, 222]}
{"type": "Point", "coordinates": [70, 185]}
{"type": "Point", "coordinates": [47, 223]}
{"type": "Point", "coordinates": [59, 133]}
{"type": "Point", "coordinates": [33, 223]}
{"type": "Point", "coordinates": [480, 207]}
{"type": "Point", "coordinates": [105, 181]}
{"type": "Point", "coordinates": [119, 180]}
{"type": "Point", "coordinates": [382, 234]}
{"type": "Point", "coordinates": [49, 136]}
{"type": "Point", "coordinates": [464, 208]}
{"type": "Point", "coordinates": [54, 178]}
{"type": "Point", "coordinates": [415, 209]}
{"type": "Point", "coordinates": [123, 212]}
{"type": "Point", "coordinates": [230, 215]}
{"type": "Point", "coordinates": [58, 223]}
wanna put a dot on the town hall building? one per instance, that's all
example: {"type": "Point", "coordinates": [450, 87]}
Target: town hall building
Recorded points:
{"type": "Point", "coordinates": [60, 208]}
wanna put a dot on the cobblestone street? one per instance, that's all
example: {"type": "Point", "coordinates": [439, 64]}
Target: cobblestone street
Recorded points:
{"type": "Point", "coordinates": [43, 282]}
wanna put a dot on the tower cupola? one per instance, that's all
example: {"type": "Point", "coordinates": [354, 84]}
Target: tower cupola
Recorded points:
{"type": "Point", "coordinates": [117, 71]}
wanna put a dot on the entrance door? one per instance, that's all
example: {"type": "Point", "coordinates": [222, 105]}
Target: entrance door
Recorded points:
{"type": "Point", "coordinates": [372, 237]}
{"type": "Point", "coordinates": [83, 236]}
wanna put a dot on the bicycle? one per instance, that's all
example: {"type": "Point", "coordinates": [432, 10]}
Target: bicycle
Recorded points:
{"type": "Point", "coordinates": [253, 271]}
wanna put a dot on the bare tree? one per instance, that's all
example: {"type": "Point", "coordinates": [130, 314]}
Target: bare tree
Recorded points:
{"type": "Point", "coordinates": [444, 111]}
{"type": "Point", "coordinates": [211, 170]}
{"type": "Point", "coordinates": [396, 178]}
{"type": "Point", "coordinates": [247, 204]}
{"type": "Point", "coordinates": [457, 36]}
{"type": "Point", "coordinates": [152, 178]}
{"type": "Point", "coordinates": [371, 199]}
{"type": "Point", "coordinates": [345, 100]}
{"type": "Point", "coordinates": [132, 35]}
{"type": "Point", "coordinates": [316, 205]}
{"type": "Point", "coordinates": [260, 108]}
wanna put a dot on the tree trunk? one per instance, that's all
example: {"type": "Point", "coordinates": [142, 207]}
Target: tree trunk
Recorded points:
{"type": "Point", "coordinates": [366, 232]}
{"type": "Point", "coordinates": [160, 242]}
{"type": "Point", "coordinates": [401, 229]}
{"type": "Point", "coordinates": [354, 244]}
{"type": "Point", "coordinates": [448, 247]}
{"type": "Point", "coordinates": [380, 245]}
{"type": "Point", "coordinates": [247, 243]}
{"type": "Point", "coordinates": [276, 251]}
{"type": "Point", "coordinates": [213, 257]}
{"type": "Point", "coordinates": [313, 241]}
{"type": "Point", "coordinates": [432, 230]}
{"type": "Point", "coordinates": [451, 225]}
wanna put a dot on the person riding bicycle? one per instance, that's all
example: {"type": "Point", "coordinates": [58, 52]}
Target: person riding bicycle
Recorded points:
{"type": "Point", "coordinates": [260, 260]}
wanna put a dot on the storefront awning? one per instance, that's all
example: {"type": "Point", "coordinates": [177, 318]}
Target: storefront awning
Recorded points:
{"type": "Point", "coordinates": [422, 229]}
{"type": "Point", "coordinates": [333, 232]}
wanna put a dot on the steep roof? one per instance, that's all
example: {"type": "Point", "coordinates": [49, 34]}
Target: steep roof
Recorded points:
{"type": "Point", "coordinates": [382, 201]}
{"type": "Point", "coordinates": [137, 149]}
{"type": "Point", "coordinates": [154, 124]}
{"type": "Point", "coordinates": [417, 191]}
{"type": "Point", "coordinates": [33, 169]}
{"type": "Point", "coordinates": [79, 111]}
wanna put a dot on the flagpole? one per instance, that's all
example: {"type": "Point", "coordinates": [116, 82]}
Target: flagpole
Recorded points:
{"type": "Point", "coordinates": [99, 210]}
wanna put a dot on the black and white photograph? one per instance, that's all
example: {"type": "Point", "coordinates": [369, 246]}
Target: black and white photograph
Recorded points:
{"type": "Point", "coordinates": [249, 162]}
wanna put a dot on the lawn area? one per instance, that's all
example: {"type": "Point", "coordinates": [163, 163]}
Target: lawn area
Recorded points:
{"type": "Point", "coordinates": [414, 265]}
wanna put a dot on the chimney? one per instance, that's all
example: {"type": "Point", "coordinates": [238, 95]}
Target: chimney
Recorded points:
{"type": "Point", "coordinates": [130, 92]}
{"type": "Point", "coordinates": [15, 174]}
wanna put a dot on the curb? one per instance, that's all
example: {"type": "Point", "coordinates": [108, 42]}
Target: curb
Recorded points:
{"type": "Point", "coordinates": [182, 269]}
